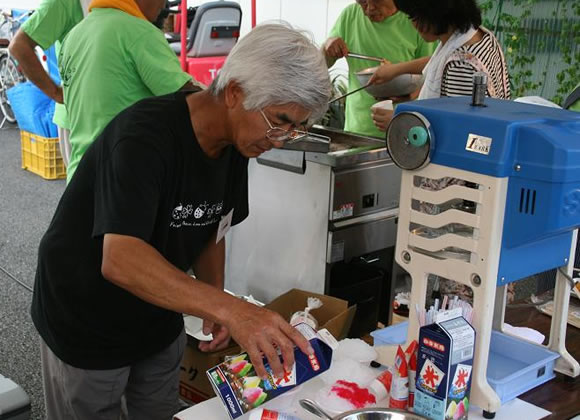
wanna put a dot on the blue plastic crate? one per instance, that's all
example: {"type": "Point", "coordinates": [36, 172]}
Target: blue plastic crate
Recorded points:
{"type": "Point", "coordinates": [394, 334]}
{"type": "Point", "coordinates": [516, 366]}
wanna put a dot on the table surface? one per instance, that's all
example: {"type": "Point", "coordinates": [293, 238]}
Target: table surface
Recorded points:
{"type": "Point", "coordinates": [561, 395]}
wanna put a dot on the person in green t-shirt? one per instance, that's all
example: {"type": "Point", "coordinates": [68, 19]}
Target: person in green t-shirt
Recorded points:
{"type": "Point", "coordinates": [48, 26]}
{"type": "Point", "coordinates": [375, 28]}
{"type": "Point", "coordinates": [111, 60]}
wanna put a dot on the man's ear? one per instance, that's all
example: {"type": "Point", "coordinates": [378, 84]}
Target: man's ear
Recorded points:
{"type": "Point", "coordinates": [233, 94]}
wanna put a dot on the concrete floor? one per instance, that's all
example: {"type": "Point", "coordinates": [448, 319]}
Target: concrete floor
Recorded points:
{"type": "Point", "coordinates": [27, 203]}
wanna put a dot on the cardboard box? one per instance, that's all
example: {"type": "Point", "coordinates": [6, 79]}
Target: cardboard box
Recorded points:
{"type": "Point", "coordinates": [444, 365]}
{"type": "Point", "coordinates": [240, 390]}
{"type": "Point", "coordinates": [334, 315]}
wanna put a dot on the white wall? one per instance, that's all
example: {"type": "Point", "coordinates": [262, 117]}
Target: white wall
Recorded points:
{"type": "Point", "coordinates": [316, 16]}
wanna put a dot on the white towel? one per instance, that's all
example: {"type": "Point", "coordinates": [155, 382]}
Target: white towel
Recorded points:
{"type": "Point", "coordinates": [433, 71]}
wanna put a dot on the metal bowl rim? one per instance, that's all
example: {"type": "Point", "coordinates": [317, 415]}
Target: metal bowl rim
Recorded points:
{"type": "Point", "coordinates": [378, 410]}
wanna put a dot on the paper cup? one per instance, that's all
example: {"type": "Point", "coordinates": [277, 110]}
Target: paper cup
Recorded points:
{"type": "Point", "coordinates": [387, 105]}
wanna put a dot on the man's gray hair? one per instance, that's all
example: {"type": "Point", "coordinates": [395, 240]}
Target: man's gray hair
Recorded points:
{"type": "Point", "coordinates": [275, 65]}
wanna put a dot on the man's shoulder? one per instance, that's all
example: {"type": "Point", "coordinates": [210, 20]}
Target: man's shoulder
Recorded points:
{"type": "Point", "coordinates": [111, 25]}
{"type": "Point", "coordinates": [154, 113]}
{"type": "Point", "coordinates": [133, 25]}
{"type": "Point", "coordinates": [348, 21]}
{"type": "Point", "coordinates": [402, 22]}
{"type": "Point", "coordinates": [103, 20]}
{"type": "Point", "coordinates": [59, 6]}
{"type": "Point", "coordinates": [68, 13]}
{"type": "Point", "coordinates": [350, 13]}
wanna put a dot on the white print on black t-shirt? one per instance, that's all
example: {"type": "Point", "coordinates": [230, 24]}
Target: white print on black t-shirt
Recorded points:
{"type": "Point", "coordinates": [202, 215]}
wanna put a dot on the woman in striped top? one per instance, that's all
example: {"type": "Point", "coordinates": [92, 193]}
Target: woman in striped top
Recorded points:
{"type": "Point", "coordinates": [465, 47]}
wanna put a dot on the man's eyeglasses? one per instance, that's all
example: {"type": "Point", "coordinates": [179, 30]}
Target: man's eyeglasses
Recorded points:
{"type": "Point", "coordinates": [281, 134]}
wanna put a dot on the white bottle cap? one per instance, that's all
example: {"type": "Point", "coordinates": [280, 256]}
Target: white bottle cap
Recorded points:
{"type": "Point", "coordinates": [256, 414]}
{"type": "Point", "coordinates": [380, 386]}
{"type": "Point", "coordinates": [378, 390]}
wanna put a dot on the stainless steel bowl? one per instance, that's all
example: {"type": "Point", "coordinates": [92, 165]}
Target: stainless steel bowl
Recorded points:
{"type": "Point", "coordinates": [378, 414]}
{"type": "Point", "coordinates": [400, 86]}
{"type": "Point", "coordinates": [362, 414]}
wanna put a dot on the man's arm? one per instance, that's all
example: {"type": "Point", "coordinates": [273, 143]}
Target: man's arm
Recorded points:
{"type": "Point", "coordinates": [137, 267]}
{"type": "Point", "coordinates": [388, 71]}
{"type": "Point", "coordinates": [22, 49]}
{"type": "Point", "coordinates": [209, 268]}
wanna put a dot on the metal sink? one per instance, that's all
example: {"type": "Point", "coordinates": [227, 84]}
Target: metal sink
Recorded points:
{"type": "Point", "coordinates": [345, 149]}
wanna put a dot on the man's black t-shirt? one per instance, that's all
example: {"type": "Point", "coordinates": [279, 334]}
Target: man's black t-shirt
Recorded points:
{"type": "Point", "coordinates": [145, 176]}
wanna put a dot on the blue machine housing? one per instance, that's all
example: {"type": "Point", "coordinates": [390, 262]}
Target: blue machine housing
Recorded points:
{"type": "Point", "coordinates": [538, 149]}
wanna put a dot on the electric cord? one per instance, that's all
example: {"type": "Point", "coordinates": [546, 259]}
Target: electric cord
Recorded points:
{"type": "Point", "coordinates": [12, 277]}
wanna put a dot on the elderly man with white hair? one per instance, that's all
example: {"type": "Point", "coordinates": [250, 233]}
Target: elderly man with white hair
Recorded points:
{"type": "Point", "coordinates": [151, 198]}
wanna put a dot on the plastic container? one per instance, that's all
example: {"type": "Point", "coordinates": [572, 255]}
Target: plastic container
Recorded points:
{"type": "Point", "coordinates": [392, 335]}
{"type": "Point", "coordinates": [41, 155]}
{"type": "Point", "coordinates": [516, 366]}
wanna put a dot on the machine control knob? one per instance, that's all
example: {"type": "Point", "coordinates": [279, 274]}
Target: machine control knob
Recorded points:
{"type": "Point", "coordinates": [418, 136]}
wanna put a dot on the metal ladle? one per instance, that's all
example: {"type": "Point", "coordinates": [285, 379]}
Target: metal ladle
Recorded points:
{"type": "Point", "coordinates": [313, 408]}
{"type": "Point", "coordinates": [364, 57]}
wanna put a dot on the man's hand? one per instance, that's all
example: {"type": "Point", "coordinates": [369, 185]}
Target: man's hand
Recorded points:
{"type": "Point", "coordinates": [381, 117]}
{"type": "Point", "coordinates": [335, 48]}
{"type": "Point", "coordinates": [261, 332]}
{"type": "Point", "coordinates": [221, 337]}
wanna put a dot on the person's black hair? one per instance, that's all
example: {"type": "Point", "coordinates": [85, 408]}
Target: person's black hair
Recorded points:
{"type": "Point", "coordinates": [440, 16]}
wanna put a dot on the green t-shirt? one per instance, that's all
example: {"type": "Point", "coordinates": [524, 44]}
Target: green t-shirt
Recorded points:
{"type": "Point", "coordinates": [48, 25]}
{"type": "Point", "coordinates": [394, 38]}
{"type": "Point", "coordinates": [108, 62]}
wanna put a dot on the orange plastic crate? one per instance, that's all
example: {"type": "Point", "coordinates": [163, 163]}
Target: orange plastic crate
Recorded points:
{"type": "Point", "coordinates": [41, 155]}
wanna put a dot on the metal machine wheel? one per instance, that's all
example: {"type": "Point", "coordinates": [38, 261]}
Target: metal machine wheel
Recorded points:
{"type": "Point", "coordinates": [410, 140]}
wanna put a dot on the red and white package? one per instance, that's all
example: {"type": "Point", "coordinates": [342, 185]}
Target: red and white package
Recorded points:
{"type": "Point", "coordinates": [381, 386]}
{"type": "Point", "coordinates": [399, 396]}
{"type": "Point", "coordinates": [411, 357]}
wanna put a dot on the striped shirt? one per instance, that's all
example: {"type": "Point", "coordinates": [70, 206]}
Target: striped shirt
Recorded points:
{"type": "Point", "coordinates": [458, 74]}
